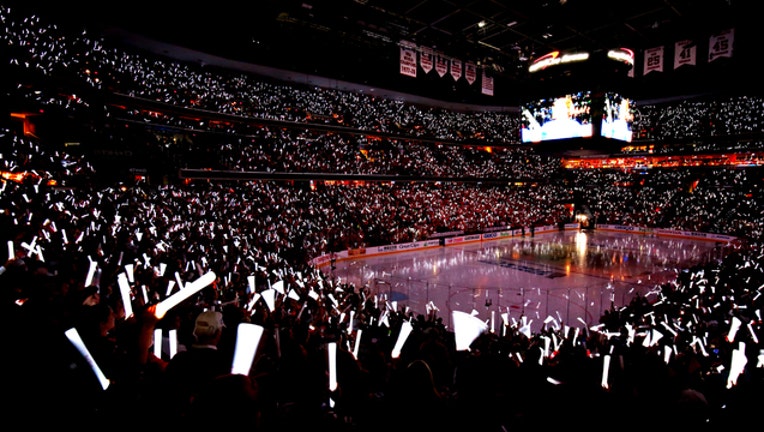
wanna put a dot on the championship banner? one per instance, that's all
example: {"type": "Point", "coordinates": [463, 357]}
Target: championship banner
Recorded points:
{"type": "Point", "coordinates": [721, 45]}
{"type": "Point", "coordinates": [425, 59]}
{"type": "Point", "coordinates": [456, 69]}
{"type": "Point", "coordinates": [685, 53]}
{"type": "Point", "coordinates": [408, 60]}
{"type": "Point", "coordinates": [653, 60]}
{"type": "Point", "coordinates": [470, 73]}
{"type": "Point", "coordinates": [441, 65]}
{"type": "Point", "coordinates": [487, 87]}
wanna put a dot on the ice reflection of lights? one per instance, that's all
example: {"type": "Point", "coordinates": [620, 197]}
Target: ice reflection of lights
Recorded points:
{"type": "Point", "coordinates": [581, 241]}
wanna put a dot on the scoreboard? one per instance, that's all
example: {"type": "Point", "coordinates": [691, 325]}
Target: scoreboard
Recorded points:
{"type": "Point", "coordinates": [579, 109]}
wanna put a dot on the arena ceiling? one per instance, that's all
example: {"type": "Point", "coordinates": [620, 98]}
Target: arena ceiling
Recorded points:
{"type": "Point", "coordinates": [357, 40]}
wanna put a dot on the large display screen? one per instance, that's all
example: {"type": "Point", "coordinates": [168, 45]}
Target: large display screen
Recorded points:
{"type": "Point", "coordinates": [561, 117]}
{"type": "Point", "coordinates": [617, 117]}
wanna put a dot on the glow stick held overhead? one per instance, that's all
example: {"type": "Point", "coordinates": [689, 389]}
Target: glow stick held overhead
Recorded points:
{"type": "Point", "coordinates": [605, 372]}
{"type": "Point", "coordinates": [269, 296]}
{"type": "Point", "coordinates": [467, 328]}
{"type": "Point", "coordinates": [76, 340]}
{"type": "Point", "coordinates": [332, 353]}
{"type": "Point", "coordinates": [402, 336]}
{"type": "Point", "coordinates": [357, 343]}
{"type": "Point", "coordinates": [248, 337]}
{"type": "Point", "coordinates": [179, 281]}
{"type": "Point", "coordinates": [173, 336]}
{"type": "Point", "coordinates": [734, 327]}
{"type": "Point", "coordinates": [179, 296]}
{"type": "Point", "coordinates": [158, 343]}
{"type": "Point", "coordinates": [129, 270]}
{"type": "Point", "coordinates": [124, 289]}
{"type": "Point", "coordinates": [91, 272]}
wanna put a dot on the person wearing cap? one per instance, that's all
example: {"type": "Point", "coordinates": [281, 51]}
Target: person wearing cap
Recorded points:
{"type": "Point", "coordinates": [190, 372]}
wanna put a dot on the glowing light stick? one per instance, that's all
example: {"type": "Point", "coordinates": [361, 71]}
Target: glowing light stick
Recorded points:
{"type": "Point", "coordinates": [605, 371]}
{"type": "Point", "coordinates": [190, 289]}
{"type": "Point", "coordinates": [739, 361]}
{"type": "Point", "coordinates": [158, 343]}
{"type": "Point", "coordinates": [466, 329]}
{"type": "Point", "coordinates": [734, 327]}
{"type": "Point", "coordinates": [269, 298]}
{"type": "Point", "coordinates": [248, 337]}
{"type": "Point", "coordinates": [179, 281]}
{"type": "Point", "coordinates": [91, 272]}
{"type": "Point", "coordinates": [76, 340]}
{"type": "Point", "coordinates": [332, 352]}
{"type": "Point", "coordinates": [129, 270]}
{"type": "Point", "coordinates": [357, 343]}
{"type": "Point", "coordinates": [279, 286]}
{"type": "Point", "coordinates": [173, 336]}
{"type": "Point", "coordinates": [124, 289]}
{"type": "Point", "coordinates": [402, 336]}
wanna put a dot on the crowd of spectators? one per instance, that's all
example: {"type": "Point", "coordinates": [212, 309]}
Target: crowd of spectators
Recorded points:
{"type": "Point", "coordinates": [669, 354]}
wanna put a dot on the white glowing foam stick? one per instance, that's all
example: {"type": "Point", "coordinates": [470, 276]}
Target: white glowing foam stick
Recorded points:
{"type": "Point", "coordinates": [357, 343]}
{"type": "Point", "coordinates": [332, 353]}
{"type": "Point", "coordinates": [76, 340]}
{"type": "Point", "coordinates": [269, 296]}
{"type": "Point", "coordinates": [124, 289]}
{"type": "Point", "coordinates": [181, 285]}
{"type": "Point", "coordinates": [190, 289]}
{"type": "Point", "coordinates": [158, 343]}
{"type": "Point", "coordinates": [251, 281]}
{"type": "Point", "coordinates": [170, 285]}
{"type": "Point", "coordinates": [734, 327]}
{"type": "Point", "coordinates": [739, 361]}
{"type": "Point", "coordinates": [173, 336]}
{"type": "Point", "coordinates": [752, 332]}
{"type": "Point", "coordinates": [605, 371]}
{"type": "Point", "coordinates": [91, 272]}
{"type": "Point", "coordinates": [402, 336]}
{"type": "Point", "coordinates": [667, 354]}
{"type": "Point", "coordinates": [11, 250]}
{"type": "Point", "coordinates": [248, 337]}
{"type": "Point", "coordinates": [279, 286]}
{"type": "Point", "coordinates": [331, 349]}
{"type": "Point", "coordinates": [129, 270]}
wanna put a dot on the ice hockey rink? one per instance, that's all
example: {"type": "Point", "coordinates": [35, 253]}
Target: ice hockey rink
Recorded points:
{"type": "Point", "coordinates": [556, 278]}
